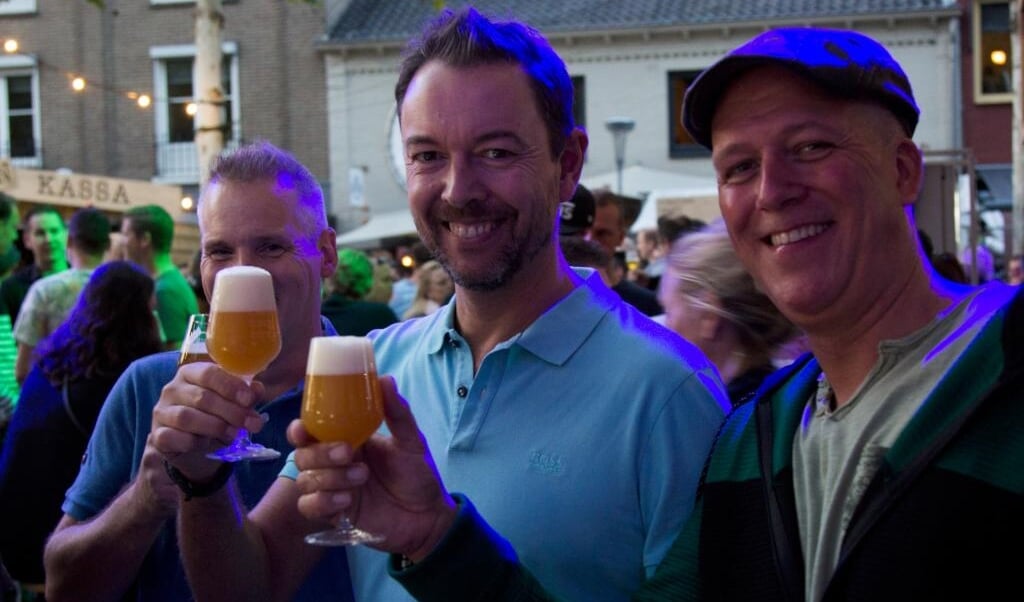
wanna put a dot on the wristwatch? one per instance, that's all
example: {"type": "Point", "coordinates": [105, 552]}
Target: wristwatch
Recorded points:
{"type": "Point", "coordinates": [192, 489]}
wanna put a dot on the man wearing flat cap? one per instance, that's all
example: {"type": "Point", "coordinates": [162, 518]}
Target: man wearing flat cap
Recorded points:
{"type": "Point", "coordinates": [888, 463]}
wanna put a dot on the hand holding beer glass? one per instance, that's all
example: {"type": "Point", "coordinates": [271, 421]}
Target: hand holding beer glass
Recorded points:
{"type": "Point", "coordinates": [243, 339]}
{"type": "Point", "coordinates": [342, 401]}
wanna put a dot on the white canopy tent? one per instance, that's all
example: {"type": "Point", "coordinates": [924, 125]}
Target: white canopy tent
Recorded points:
{"type": "Point", "coordinates": [699, 204]}
{"type": "Point", "coordinates": [391, 224]}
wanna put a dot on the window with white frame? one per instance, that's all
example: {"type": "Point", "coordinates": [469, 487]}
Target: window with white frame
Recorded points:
{"type": "Point", "coordinates": [19, 107]}
{"type": "Point", "coordinates": [993, 65]}
{"type": "Point", "coordinates": [16, 7]}
{"type": "Point", "coordinates": [174, 109]}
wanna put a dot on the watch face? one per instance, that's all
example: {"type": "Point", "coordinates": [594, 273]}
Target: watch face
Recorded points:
{"type": "Point", "coordinates": [395, 151]}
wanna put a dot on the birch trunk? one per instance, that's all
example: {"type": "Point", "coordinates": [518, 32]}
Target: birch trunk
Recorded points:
{"type": "Point", "coordinates": [210, 114]}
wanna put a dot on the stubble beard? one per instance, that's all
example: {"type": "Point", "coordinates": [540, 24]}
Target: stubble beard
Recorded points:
{"type": "Point", "coordinates": [509, 262]}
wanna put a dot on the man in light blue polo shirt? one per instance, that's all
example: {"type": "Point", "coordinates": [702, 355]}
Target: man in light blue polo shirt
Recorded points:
{"type": "Point", "coordinates": [577, 425]}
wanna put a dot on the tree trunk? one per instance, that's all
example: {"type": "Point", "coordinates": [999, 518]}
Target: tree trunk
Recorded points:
{"type": "Point", "coordinates": [210, 116]}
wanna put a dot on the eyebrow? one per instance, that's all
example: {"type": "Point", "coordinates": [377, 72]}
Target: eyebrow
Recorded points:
{"type": "Point", "coordinates": [486, 137]}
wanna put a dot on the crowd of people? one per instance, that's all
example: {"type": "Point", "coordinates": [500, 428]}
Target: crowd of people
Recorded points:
{"type": "Point", "coordinates": [788, 402]}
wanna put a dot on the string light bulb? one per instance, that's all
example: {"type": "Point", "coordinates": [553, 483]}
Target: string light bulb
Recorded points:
{"type": "Point", "coordinates": [10, 46]}
{"type": "Point", "coordinates": [187, 203]}
{"type": "Point", "coordinates": [191, 109]}
{"type": "Point", "coordinates": [144, 101]}
{"type": "Point", "coordinates": [998, 57]}
{"type": "Point", "coordinates": [78, 83]}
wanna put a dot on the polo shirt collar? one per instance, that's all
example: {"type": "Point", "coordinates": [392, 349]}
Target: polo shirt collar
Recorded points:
{"type": "Point", "coordinates": [555, 335]}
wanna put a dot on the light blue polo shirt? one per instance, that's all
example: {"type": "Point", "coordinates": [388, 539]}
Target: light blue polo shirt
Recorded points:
{"type": "Point", "coordinates": [581, 439]}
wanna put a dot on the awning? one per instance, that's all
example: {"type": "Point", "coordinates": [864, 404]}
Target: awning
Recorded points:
{"type": "Point", "coordinates": [995, 186]}
{"type": "Point", "coordinates": [378, 229]}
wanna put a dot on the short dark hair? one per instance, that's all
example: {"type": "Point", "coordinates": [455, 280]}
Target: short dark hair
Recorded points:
{"type": "Point", "coordinates": [262, 161]}
{"type": "Point", "coordinates": [89, 231]}
{"type": "Point", "coordinates": [39, 210]}
{"type": "Point", "coordinates": [671, 227]}
{"type": "Point", "coordinates": [579, 251]}
{"type": "Point", "coordinates": [465, 38]}
{"type": "Point", "coordinates": [155, 221]}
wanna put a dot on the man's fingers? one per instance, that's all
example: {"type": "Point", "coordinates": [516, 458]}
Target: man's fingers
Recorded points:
{"type": "Point", "coordinates": [298, 436]}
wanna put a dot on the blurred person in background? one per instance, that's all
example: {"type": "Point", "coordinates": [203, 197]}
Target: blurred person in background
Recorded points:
{"type": "Point", "coordinates": [10, 258]}
{"type": "Point", "coordinates": [148, 232]}
{"type": "Point", "coordinates": [10, 254]}
{"type": "Point", "coordinates": [49, 300]}
{"type": "Point", "coordinates": [403, 291]}
{"type": "Point", "coordinates": [609, 229]}
{"type": "Point", "coordinates": [345, 305]}
{"type": "Point", "coordinates": [434, 290]}
{"type": "Point", "coordinates": [45, 236]}
{"type": "Point", "coordinates": [712, 301]}
{"type": "Point", "coordinates": [580, 252]}
{"type": "Point", "coordinates": [1015, 270]}
{"type": "Point", "coordinates": [384, 276]}
{"type": "Point", "coordinates": [111, 325]}
{"type": "Point", "coordinates": [670, 228]}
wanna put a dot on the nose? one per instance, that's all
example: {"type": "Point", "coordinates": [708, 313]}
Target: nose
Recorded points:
{"type": "Point", "coordinates": [779, 184]}
{"type": "Point", "coordinates": [246, 256]}
{"type": "Point", "coordinates": [461, 182]}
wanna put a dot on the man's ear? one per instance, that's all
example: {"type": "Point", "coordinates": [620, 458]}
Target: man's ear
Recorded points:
{"type": "Point", "coordinates": [909, 170]}
{"type": "Point", "coordinates": [327, 245]}
{"type": "Point", "coordinates": [571, 162]}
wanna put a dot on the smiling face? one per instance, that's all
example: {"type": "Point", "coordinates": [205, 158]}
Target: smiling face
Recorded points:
{"type": "Point", "coordinates": [483, 186]}
{"type": "Point", "coordinates": [259, 224]}
{"type": "Point", "coordinates": [813, 190]}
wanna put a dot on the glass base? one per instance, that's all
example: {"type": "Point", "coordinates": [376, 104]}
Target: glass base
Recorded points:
{"type": "Point", "coordinates": [349, 536]}
{"type": "Point", "coordinates": [245, 451]}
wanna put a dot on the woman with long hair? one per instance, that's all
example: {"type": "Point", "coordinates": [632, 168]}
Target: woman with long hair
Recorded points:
{"type": "Point", "coordinates": [435, 288]}
{"type": "Point", "coordinates": [111, 325]}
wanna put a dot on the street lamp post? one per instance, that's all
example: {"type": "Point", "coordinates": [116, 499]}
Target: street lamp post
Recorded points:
{"type": "Point", "coordinates": [619, 127]}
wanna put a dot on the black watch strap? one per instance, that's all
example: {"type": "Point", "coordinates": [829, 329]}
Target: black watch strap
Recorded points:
{"type": "Point", "coordinates": [192, 489]}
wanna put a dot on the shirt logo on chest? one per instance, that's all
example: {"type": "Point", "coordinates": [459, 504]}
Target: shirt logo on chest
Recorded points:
{"type": "Point", "coordinates": [546, 463]}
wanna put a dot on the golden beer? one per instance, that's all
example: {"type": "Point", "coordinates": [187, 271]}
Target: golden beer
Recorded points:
{"type": "Point", "coordinates": [342, 407]}
{"type": "Point", "coordinates": [192, 357]}
{"type": "Point", "coordinates": [243, 342]}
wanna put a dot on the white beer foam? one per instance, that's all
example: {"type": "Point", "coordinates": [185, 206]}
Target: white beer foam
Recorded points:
{"type": "Point", "coordinates": [243, 288]}
{"type": "Point", "coordinates": [340, 355]}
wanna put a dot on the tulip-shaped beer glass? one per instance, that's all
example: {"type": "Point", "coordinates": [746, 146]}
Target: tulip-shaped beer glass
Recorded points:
{"type": "Point", "coordinates": [341, 402]}
{"type": "Point", "coordinates": [243, 339]}
{"type": "Point", "coordinates": [193, 347]}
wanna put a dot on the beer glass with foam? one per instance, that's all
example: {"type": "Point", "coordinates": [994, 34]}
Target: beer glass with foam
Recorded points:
{"type": "Point", "coordinates": [341, 401]}
{"type": "Point", "coordinates": [243, 338]}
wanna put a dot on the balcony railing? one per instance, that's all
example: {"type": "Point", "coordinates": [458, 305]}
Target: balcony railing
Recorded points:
{"type": "Point", "coordinates": [178, 163]}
